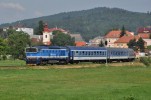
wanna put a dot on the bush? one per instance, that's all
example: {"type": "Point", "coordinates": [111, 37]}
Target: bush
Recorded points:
{"type": "Point", "coordinates": [4, 57]}
{"type": "Point", "coordinates": [145, 60]}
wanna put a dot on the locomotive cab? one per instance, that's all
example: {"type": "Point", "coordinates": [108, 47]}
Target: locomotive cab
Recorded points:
{"type": "Point", "coordinates": [31, 55]}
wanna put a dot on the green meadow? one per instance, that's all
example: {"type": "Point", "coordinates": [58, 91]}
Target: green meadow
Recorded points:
{"type": "Point", "coordinates": [100, 83]}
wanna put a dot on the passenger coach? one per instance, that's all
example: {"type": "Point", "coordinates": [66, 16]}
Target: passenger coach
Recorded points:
{"type": "Point", "coordinates": [87, 54]}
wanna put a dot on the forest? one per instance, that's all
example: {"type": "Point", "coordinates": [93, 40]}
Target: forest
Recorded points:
{"type": "Point", "coordinates": [91, 23]}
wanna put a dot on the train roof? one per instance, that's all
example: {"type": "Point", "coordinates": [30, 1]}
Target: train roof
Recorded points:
{"type": "Point", "coordinates": [50, 47]}
{"type": "Point", "coordinates": [125, 49]}
{"type": "Point", "coordinates": [85, 48]}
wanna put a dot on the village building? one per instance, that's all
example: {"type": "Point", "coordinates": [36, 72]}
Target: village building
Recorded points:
{"type": "Point", "coordinates": [78, 40]}
{"type": "Point", "coordinates": [145, 33]}
{"type": "Point", "coordinates": [144, 30]}
{"type": "Point", "coordinates": [96, 41]}
{"type": "Point", "coordinates": [113, 36]}
{"type": "Point", "coordinates": [29, 31]}
{"type": "Point", "coordinates": [48, 35]}
{"type": "Point", "coordinates": [123, 41]}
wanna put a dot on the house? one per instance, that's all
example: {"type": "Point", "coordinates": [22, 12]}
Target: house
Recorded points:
{"type": "Point", "coordinates": [80, 43]}
{"type": "Point", "coordinates": [123, 41]}
{"type": "Point", "coordinates": [145, 37]}
{"type": "Point", "coordinates": [29, 31]}
{"type": "Point", "coordinates": [96, 41]}
{"type": "Point", "coordinates": [36, 39]}
{"type": "Point", "coordinates": [114, 35]}
{"type": "Point", "coordinates": [78, 40]}
{"type": "Point", "coordinates": [144, 30]}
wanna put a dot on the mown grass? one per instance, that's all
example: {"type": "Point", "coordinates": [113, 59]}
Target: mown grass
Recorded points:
{"type": "Point", "coordinates": [101, 83]}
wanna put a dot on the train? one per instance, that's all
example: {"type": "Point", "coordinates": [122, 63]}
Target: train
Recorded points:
{"type": "Point", "coordinates": [41, 55]}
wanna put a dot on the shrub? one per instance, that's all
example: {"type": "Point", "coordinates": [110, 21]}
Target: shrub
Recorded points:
{"type": "Point", "coordinates": [4, 57]}
{"type": "Point", "coordinates": [145, 60]}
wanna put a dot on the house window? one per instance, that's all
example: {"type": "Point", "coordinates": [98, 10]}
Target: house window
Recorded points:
{"type": "Point", "coordinates": [45, 36]}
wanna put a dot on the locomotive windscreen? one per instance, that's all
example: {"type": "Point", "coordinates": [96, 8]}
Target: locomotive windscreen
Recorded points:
{"type": "Point", "coordinates": [31, 50]}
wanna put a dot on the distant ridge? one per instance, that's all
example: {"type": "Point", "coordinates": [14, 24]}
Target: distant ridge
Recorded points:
{"type": "Point", "coordinates": [93, 22]}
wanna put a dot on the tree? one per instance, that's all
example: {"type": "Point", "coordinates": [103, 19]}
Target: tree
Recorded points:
{"type": "Point", "coordinates": [39, 30]}
{"type": "Point", "coordinates": [101, 44]}
{"type": "Point", "coordinates": [150, 36]}
{"type": "Point", "coordinates": [17, 43]}
{"type": "Point", "coordinates": [41, 27]}
{"type": "Point", "coordinates": [3, 49]}
{"type": "Point", "coordinates": [123, 32]}
{"type": "Point", "coordinates": [132, 44]}
{"type": "Point", "coordinates": [140, 44]}
{"type": "Point", "coordinates": [61, 39]}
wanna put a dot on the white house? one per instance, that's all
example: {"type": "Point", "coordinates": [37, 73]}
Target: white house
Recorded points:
{"type": "Point", "coordinates": [29, 31]}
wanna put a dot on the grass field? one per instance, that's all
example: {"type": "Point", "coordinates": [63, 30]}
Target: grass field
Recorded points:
{"type": "Point", "coordinates": [12, 63]}
{"type": "Point", "coordinates": [101, 83]}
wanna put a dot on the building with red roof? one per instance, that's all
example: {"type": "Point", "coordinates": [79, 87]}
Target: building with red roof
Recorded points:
{"type": "Point", "coordinates": [47, 34]}
{"type": "Point", "coordinates": [144, 30]}
{"type": "Point", "coordinates": [144, 35]}
{"type": "Point", "coordinates": [123, 41]}
{"type": "Point", "coordinates": [80, 43]}
{"type": "Point", "coordinates": [114, 35]}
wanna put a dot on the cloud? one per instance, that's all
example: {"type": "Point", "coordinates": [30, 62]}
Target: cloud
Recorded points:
{"type": "Point", "coordinates": [15, 6]}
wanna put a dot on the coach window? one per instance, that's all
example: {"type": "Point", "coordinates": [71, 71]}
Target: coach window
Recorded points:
{"type": "Point", "coordinates": [79, 52]}
{"type": "Point", "coordinates": [83, 52]}
{"type": "Point", "coordinates": [94, 52]}
{"type": "Point", "coordinates": [89, 52]}
{"type": "Point", "coordinates": [104, 53]}
{"type": "Point", "coordinates": [76, 51]}
{"type": "Point", "coordinates": [100, 53]}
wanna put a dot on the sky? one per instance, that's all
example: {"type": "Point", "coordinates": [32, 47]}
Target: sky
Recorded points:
{"type": "Point", "coordinates": [14, 10]}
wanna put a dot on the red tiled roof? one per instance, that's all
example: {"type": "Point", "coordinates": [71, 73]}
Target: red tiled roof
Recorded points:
{"type": "Point", "coordinates": [144, 30]}
{"type": "Point", "coordinates": [80, 43]}
{"type": "Point", "coordinates": [46, 29]}
{"type": "Point", "coordinates": [116, 34]}
{"type": "Point", "coordinates": [126, 39]}
{"type": "Point", "coordinates": [144, 35]}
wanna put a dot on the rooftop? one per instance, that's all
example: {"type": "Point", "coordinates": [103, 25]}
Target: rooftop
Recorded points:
{"type": "Point", "coordinates": [116, 34]}
{"type": "Point", "coordinates": [126, 39]}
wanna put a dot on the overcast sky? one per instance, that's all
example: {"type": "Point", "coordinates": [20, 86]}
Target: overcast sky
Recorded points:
{"type": "Point", "coordinates": [13, 10]}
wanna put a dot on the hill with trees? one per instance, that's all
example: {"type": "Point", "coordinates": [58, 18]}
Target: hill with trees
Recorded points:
{"type": "Point", "coordinates": [93, 22]}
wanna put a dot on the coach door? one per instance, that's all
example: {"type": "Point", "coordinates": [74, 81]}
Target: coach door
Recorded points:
{"type": "Point", "coordinates": [72, 55]}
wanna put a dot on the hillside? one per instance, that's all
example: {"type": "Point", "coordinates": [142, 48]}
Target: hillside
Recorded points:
{"type": "Point", "coordinates": [93, 22]}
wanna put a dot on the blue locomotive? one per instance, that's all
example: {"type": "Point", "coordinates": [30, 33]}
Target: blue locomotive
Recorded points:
{"type": "Point", "coordinates": [72, 54]}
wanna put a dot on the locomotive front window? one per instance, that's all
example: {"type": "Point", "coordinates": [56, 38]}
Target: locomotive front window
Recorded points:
{"type": "Point", "coordinates": [31, 50]}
